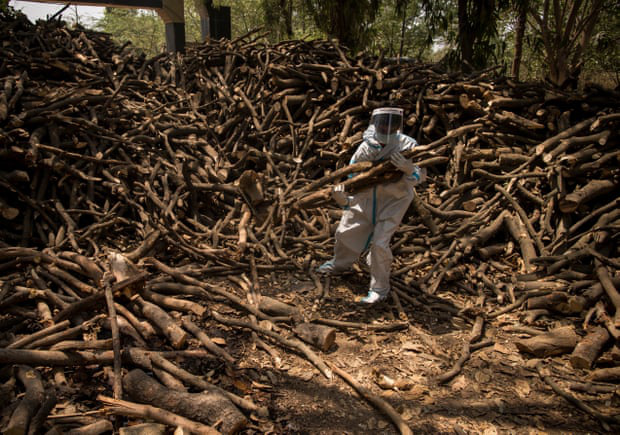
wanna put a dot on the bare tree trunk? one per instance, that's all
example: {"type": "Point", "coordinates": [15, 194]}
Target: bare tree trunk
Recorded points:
{"type": "Point", "coordinates": [402, 31]}
{"type": "Point", "coordinates": [522, 8]}
{"type": "Point", "coordinates": [466, 36]}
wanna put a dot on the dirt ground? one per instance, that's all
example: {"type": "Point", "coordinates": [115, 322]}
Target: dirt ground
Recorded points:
{"type": "Point", "coordinates": [498, 390]}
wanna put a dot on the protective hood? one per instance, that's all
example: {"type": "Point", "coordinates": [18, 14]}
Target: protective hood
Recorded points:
{"type": "Point", "coordinates": [387, 123]}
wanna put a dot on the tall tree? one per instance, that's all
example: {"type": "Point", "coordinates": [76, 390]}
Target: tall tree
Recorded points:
{"type": "Point", "coordinates": [246, 16]}
{"type": "Point", "coordinates": [469, 29]}
{"type": "Point", "coordinates": [477, 30]}
{"type": "Point", "coordinates": [349, 21]}
{"type": "Point", "coordinates": [279, 18]}
{"type": "Point", "coordinates": [521, 8]}
{"type": "Point", "coordinates": [144, 29]}
{"type": "Point", "coordinates": [566, 28]}
{"type": "Point", "coordinates": [401, 30]}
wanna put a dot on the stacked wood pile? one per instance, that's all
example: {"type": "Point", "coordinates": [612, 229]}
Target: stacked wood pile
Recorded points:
{"type": "Point", "coordinates": [130, 186]}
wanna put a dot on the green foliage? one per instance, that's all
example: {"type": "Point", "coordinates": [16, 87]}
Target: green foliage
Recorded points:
{"type": "Point", "coordinates": [348, 21]}
{"type": "Point", "coordinates": [246, 16]}
{"type": "Point", "coordinates": [278, 18]}
{"type": "Point", "coordinates": [602, 61]}
{"type": "Point", "coordinates": [566, 28]}
{"type": "Point", "coordinates": [426, 30]}
{"type": "Point", "coordinates": [144, 28]}
{"type": "Point", "coordinates": [401, 30]}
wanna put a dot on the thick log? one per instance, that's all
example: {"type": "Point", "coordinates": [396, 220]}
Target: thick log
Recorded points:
{"type": "Point", "coordinates": [611, 374]}
{"type": "Point", "coordinates": [30, 403]}
{"type": "Point", "coordinates": [250, 185]}
{"type": "Point", "coordinates": [206, 407]}
{"type": "Point", "coordinates": [589, 348]}
{"type": "Point", "coordinates": [555, 342]}
{"type": "Point", "coordinates": [558, 302]}
{"type": "Point", "coordinates": [590, 191]}
{"type": "Point", "coordinates": [45, 408]}
{"type": "Point", "coordinates": [275, 307]}
{"type": "Point", "coordinates": [123, 407]}
{"type": "Point", "coordinates": [319, 336]}
{"type": "Point", "coordinates": [174, 304]}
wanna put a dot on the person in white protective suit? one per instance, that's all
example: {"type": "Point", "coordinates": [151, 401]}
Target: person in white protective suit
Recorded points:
{"type": "Point", "coordinates": [372, 215]}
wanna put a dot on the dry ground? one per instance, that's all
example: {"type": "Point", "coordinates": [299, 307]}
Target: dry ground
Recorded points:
{"type": "Point", "coordinates": [498, 390]}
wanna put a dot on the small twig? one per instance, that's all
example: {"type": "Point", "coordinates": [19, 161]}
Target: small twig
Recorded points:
{"type": "Point", "coordinates": [573, 400]}
{"type": "Point", "coordinates": [370, 327]}
{"type": "Point", "coordinates": [291, 343]}
{"type": "Point", "coordinates": [468, 347]}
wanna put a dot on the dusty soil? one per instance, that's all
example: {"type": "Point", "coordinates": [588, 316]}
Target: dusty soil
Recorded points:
{"type": "Point", "coordinates": [498, 390]}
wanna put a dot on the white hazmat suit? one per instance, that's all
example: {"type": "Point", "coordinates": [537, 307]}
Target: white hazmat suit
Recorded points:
{"type": "Point", "coordinates": [372, 215]}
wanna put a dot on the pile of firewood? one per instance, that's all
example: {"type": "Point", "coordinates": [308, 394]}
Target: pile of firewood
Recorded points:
{"type": "Point", "coordinates": [130, 184]}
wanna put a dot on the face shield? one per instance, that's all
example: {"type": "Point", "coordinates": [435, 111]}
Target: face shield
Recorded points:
{"type": "Point", "coordinates": [388, 122]}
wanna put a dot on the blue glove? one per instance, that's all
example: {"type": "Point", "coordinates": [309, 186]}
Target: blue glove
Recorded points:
{"type": "Point", "coordinates": [419, 174]}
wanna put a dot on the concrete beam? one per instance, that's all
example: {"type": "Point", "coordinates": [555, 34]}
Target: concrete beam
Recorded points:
{"type": "Point", "coordinates": [132, 4]}
{"type": "Point", "coordinates": [201, 8]}
{"type": "Point", "coordinates": [170, 11]}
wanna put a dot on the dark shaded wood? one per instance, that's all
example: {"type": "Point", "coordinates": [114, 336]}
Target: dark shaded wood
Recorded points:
{"type": "Point", "coordinates": [206, 407]}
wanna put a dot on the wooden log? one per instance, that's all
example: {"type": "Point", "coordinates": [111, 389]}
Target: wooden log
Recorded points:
{"type": "Point", "coordinates": [123, 407]}
{"type": "Point", "coordinates": [610, 374]}
{"type": "Point", "coordinates": [319, 336]}
{"type": "Point", "coordinates": [52, 339]}
{"type": "Point", "coordinates": [159, 360]}
{"type": "Point", "coordinates": [559, 302]}
{"type": "Point", "coordinates": [572, 399]}
{"type": "Point", "coordinates": [95, 428]}
{"type": "Point", "coordinates": [521, 236]}
{"type": "Point", "coordinates": [29, 404]}
{"type": "Point", "coordinates": [608, 285]}
{"type": "Point", "coordinates": [54, 358]}
{"type": "Point", "coordinates": [589, 348]}
{"type": "Point", "coordinates": [292, 343]}
{"type": "Point", "coordinates": [143, 327]}
{"type": "Point", "coordinates": [593, 189]}
{"type": "Point", "coordinates": [484, 234]}
{"type": "Point", "coordinates": [552, 141]}
{"type": "Point", "coordinates": [175, 304]}
{"type": "Point", "coordinates": [166, 324]}
{"type": "Point", "coordinates": [275, 307]}
{"type": "Point", "coordinates": [205, 407]}
{"type": "Point", "coordinates": [46, 406]}
{"type": "Point", "coordinates": [116, 339]}
{"type": "Point", "coordinates": [250, 185]}
{"type": "Point", "coordinates": [23, 341]}
{"type": "Point", "coordinates": [555, 342]}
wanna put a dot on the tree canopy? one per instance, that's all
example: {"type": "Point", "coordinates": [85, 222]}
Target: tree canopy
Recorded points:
{"type": "Point", "coordinates": [559, 41]}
